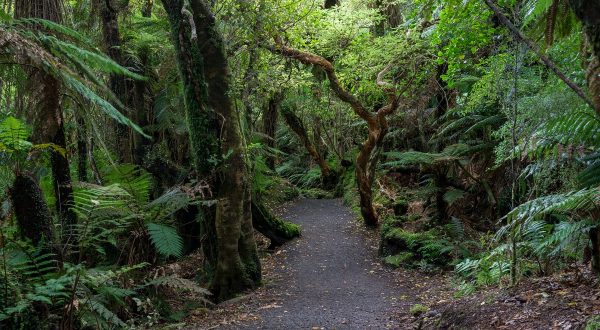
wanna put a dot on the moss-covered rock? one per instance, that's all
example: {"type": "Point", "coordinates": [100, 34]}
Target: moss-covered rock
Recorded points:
{"type": "Point", "coordinates": [400, 247]}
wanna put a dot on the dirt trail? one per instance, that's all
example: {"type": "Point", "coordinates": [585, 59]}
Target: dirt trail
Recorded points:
{"type": "Point", "coordinates": [330, 278]}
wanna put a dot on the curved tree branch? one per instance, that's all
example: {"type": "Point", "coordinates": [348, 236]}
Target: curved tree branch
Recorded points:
{"type": "Point", "coordinates": [312, 59]}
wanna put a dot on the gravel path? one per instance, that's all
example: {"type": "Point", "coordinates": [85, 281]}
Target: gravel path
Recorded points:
{"type": "Point", "coordinates": [331, 277]}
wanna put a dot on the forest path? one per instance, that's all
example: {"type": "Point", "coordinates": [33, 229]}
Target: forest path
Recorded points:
{"type": "Point", "coordinates": [330, 278]}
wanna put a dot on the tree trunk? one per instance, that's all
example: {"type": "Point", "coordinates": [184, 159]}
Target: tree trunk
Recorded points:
{"type": "Point", "coordinates": [238, 267]}
{"type": "Point", "coordinates": [275, 229]}
{"type": "Point", "coordinates": [588, 11]}
{"type": "Point", "coordinates": [201, 122]}
{"type": "Point", "coordinates": [202, 58]}
{"type": "Point", "coordinates": [297, 126]}
{"type": "Point", "coordinates": [269, 121]}
{"type": "Point", "coordinates": [49, 126]}
{"type": "Point", "coordinates": [31, 211]}
{"type": "Point", "coordinates": [82, 150]}
{"type": "Point", "coordinates": [595, 255]}
{"type": "Point", "coordinates": [143, 109]}
{"type": "Point", "coordinates": [117, 83]}
{"type": "Point", "coordinates": [366, 163]}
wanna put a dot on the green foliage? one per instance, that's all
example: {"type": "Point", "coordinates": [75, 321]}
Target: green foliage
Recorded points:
{"type": "Point", "coordinates": [110, 213]}
{"type": "Point", "coordinates": [404, 247]}
{"type": "Point", "coordinates": [593, 323]}
{"type": "Point", "coordinates": [39, 288]}
{"type": "Point", "coordinates": [72, 62]}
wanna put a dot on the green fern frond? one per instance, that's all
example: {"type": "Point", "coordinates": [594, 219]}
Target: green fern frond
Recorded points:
{"type": "Point", "coordinates": [13, 135]}
{"type": "Point", "coordinates": [55, 27]}
{"type": "Point", "coordinates": [534, 9]}
{"type": "Point", "coordinates": [104, 105]}
{"type": "Point", "coordinates": [590, 176]}
{"type": "Point", "coordinates": [94, 60]}
{"type": "Point", "coordinates": [165, 239]}
{"type": "Point", "coordinates": [133, 179]}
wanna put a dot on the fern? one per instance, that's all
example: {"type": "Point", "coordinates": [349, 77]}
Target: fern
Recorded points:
{"type": "Point", "coordinates": [13, 135]}
{"type": "Point", "coordinates": [177, 282]}
{"type": "Point", "coordinates": [165, 239]}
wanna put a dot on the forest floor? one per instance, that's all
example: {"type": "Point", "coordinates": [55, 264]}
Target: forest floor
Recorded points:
{"type": "Point", "coordinates": [332, 278]}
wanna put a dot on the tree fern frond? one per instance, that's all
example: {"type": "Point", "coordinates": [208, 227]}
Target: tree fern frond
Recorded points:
{"type": "Point", "coordinates": [104, 105]}
{"type": "Point", "coordinates": [55, 27]}
{"type": "Point", "coordinates": [93, 60]}
{"type": "Point", "coordinates": [590, 176]}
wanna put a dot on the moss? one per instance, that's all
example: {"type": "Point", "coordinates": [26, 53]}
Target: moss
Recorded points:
{"type": "Point", "coordinates": [429, 247]}
{"type": "Point", "coordinates": [400, 259]}
{"type": "Point", "coordinates": [277, 230]}
{"type": "Point", "coordinates": [317, 193]}
{"type": "Point", "coordinates": [279, 191]}
{"type": "Point", "coordinates": [593, 323]}
{"type": "Point", "coordinates": [418, 309]}
{"type": "Point", "coordinates": [349, 191]}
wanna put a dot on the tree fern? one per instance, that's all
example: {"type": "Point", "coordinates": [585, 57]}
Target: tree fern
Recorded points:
{"type": "Point", "coordinates": [571, 203]}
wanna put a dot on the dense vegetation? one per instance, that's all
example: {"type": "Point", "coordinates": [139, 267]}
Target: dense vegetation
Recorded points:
{"type": "Point", "coordinates": [135, 135]}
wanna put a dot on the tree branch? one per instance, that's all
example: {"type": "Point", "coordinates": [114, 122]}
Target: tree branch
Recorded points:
{"type": "Point", "coordinates": [534, 48]}
{"type": "Point", "coordinates": [312, 59]}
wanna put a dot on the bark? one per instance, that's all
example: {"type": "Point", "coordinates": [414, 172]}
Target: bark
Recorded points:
{"type": "Point", "coordinates": [251, 82]}
{"type": "Point", "coordinates": [296, 125]}
{"type": "Point", "coordinates": [117, 83]}
{"type": "Point", "coordinates": [143, 109]}
{"type": "Point", "coordinates": [31, 211]}
{"type": "Point", "coordinates": [275, 229]}
{"type": "Point", "coordinates": [588, 11]}
{"type": "Point", "coordinates": [238, 267]}
{"type": "Point", "coordinates": [201, 59]}
{"type": "Point", "coordinates": [202, 129]}
{"type": "Point", "coordinates": [370, 150]}
{"type": "Point", "coordinates": [201, 122]}
{"type": "Point", "coordinates": [269, 121]}
{"type": "Point", "coordinates": [49, 126]}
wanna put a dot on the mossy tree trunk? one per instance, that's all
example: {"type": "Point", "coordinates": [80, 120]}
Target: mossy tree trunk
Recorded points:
{"type": "Point", "coordinates": [200, 121]}
{"type": "Point", "coordinates": [275, 229]}
{"type": "Point", "coordinates": [49, 124]}
{"type": "Point", "coordinates": [238, 267]}
{"type": "Point", "coordinates": [203, 63]}
{"type": "Point", "coordinates": [141, 105]}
